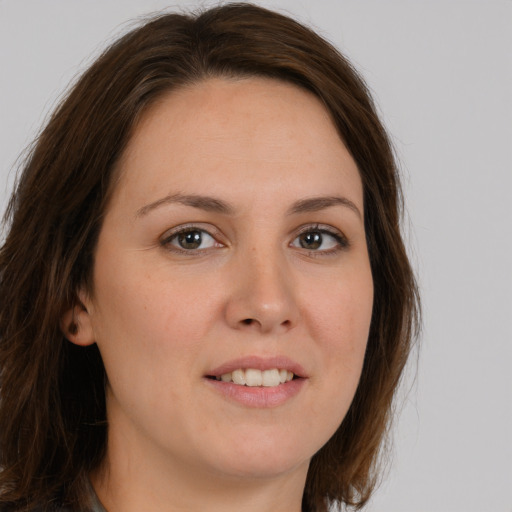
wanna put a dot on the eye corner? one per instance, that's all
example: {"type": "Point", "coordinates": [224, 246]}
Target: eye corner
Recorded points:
{"type": "Point", "coordinates": [191, 239]}
{"type": "Point", "coordinates": [318, 235]}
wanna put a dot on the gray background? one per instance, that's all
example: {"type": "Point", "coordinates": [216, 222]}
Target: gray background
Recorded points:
{"type": "Point", "coordinates": [441, 72]}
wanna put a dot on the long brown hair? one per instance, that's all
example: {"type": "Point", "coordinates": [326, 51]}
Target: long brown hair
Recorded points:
{"type": "Point", "coordinates": [52, 408]}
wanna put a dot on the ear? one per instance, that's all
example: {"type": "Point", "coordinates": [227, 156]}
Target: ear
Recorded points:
{"type": "Point", "coordinates": [76, 325]}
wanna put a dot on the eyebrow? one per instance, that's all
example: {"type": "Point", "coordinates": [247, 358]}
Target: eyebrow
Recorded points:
{"type": "Point", "coordinates": [315, 204]}
{"type": "Point", "coordinates": [211, 204]}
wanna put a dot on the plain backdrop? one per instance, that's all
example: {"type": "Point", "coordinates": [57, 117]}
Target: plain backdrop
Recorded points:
{"type": "Point", "coordinates": [441, 73]}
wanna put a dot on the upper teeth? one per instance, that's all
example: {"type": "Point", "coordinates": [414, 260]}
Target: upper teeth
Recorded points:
{"type": "Point", "coordinates": [252, 377]}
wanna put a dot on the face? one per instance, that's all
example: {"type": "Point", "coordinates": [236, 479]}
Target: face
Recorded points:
{"type": "Point", "coordinates": [233, 250]}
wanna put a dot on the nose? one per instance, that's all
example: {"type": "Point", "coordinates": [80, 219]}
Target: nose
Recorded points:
{"type": "Point", "coordinates": [262, 294]}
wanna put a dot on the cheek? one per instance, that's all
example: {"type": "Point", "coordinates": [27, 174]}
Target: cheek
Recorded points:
{"type": "Point", "coordinates": [131, 300]}
{"type": "Point", "coordinates": [340, 315]}
{"type": "Point", "coordinates": [144, 320]}
{"type": "Point", "coordinates": [341, 312]}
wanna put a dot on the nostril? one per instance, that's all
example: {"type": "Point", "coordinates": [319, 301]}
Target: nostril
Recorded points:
{"type": "Point", "coordinates": [251, 321]}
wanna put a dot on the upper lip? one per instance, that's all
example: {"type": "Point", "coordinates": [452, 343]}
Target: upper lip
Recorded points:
{"type": "Point", "coordinates": [259, 363]}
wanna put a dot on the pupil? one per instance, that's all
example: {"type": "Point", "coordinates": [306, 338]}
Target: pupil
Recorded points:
{"type": "Point", "coordinates": [311, 240]}
{"type": "Point", "coordinates": [190, 239]}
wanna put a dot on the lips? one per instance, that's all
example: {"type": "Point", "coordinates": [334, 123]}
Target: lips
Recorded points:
{"type": "Point", "coordinates": [258, 382]}
{"type": "Point", "coordinates": [255, 370]}
{"type": "Point", "coordinates": [253, 377]}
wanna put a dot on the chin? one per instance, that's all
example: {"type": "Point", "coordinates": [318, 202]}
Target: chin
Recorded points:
{"type": "Point", "coordinates": [260, 468]}
{"type": "Point", "coordinates": [265, 456]}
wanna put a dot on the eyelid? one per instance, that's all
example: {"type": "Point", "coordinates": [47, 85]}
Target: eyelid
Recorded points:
{"type": "Point", "coordinates": [317, 226]}
{"type": "Point", "coordinates": [169, 235]}
{"type": "Point", "coordinates": [336, 233]}
{"type": "Point", "coordinates": [166, 239]}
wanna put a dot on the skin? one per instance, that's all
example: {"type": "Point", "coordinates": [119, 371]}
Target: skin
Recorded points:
{"type": "Point", "coordinates": [164, 316]}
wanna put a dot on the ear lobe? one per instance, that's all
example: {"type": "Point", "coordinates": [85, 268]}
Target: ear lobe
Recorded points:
{"type": "Point", "coordinates": [75, 324]}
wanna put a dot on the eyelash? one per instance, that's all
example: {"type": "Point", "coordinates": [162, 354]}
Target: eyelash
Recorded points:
{"type": "Point", "coordinates": [166, 242]}
{"type": "Point", "coordinates": [341, 241]}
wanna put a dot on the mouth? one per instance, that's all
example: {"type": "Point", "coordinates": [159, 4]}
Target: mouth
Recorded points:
{"type": "Point", "coordinates": [256, 371]}
{"type": "Point", "coordinates": [253, 377]}
{"type": "Point", "coordinates": [258, 382]}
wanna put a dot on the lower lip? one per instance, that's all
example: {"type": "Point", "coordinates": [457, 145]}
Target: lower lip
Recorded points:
{"type": "Point", "coordinates": [258, 396]}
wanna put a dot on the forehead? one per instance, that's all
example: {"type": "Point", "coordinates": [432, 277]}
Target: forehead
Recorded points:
{"type": "Point", "coordinates": [221, 131]}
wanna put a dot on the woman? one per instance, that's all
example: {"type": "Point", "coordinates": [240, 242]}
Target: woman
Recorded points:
{"type": "Point", "coordinates": [206, 298]}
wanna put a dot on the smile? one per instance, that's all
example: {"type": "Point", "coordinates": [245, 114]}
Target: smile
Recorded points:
{"type": "Point", "coordinates": [253, 377]}
{"type": "Point", "coordinates": [258, 382]}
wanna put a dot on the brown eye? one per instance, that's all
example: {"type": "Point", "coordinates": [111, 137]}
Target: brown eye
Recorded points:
{"type": "Point", "coordinates": [190, 240]}
{"type": "Point", "coordinates": [320, 240]}
{"type": "Point", "coordinates": [311, 240]}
